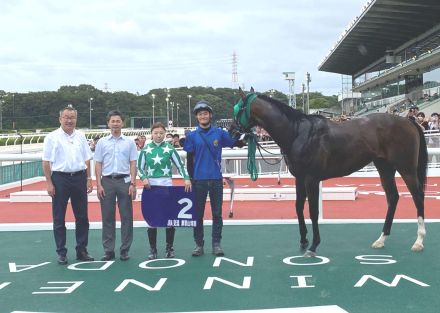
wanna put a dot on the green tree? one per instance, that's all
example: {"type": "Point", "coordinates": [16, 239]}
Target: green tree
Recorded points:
{"type": "Point", "coordinates": [41, 109]}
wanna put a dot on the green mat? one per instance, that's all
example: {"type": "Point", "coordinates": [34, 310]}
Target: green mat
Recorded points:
{"type": "Point", "coordinates": [265, 270]}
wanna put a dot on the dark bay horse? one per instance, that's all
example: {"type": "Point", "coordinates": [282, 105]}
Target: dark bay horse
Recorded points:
{"type": "Point", "coordinates": [316, 149]}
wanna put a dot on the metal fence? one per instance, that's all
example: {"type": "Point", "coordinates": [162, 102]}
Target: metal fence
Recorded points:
{"type": "Point", "coordinates": [234, 163]}
{"type": "Point", "coordinates": [19, 171]}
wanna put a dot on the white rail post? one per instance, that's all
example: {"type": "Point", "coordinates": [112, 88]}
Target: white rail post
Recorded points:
{"type": "Point", "coordinates": [320, 212]}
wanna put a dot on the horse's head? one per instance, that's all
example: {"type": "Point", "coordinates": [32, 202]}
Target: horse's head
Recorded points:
{"type": "Point", "coordinates": [243, 122]}
{"type": "Point", "coordinates": [234, 130]}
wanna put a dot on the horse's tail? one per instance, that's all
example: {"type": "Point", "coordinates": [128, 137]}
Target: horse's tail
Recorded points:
{"type": "Point", "coordinates": [422, 165]}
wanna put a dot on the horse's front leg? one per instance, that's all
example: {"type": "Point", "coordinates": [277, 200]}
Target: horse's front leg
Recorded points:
{"type": "Point", "coordinates": [300, 200]}
{"type": "Point", "coordinates": [387, 173]}
{"type": "Point", "coordinates": [312, 189]}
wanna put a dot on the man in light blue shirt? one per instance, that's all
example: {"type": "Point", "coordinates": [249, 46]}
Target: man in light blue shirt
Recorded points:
{"type": "Point", "coordinates": [115, 167]}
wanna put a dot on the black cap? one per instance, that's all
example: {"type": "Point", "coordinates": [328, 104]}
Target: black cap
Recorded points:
{"type": "Point", "coordinates": [202, 106]}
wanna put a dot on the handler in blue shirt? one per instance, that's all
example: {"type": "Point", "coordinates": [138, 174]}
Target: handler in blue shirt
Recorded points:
{"type": "Point", "coordinates": [204, 151]}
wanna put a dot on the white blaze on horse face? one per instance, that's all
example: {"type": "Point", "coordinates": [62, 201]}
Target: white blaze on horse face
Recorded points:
{"type": "Point", "coordinates": [421, 232]}
{"type": "Point", "coordinates": [379, 243]}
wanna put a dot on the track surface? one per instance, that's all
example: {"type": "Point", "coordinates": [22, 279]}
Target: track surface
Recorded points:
{"type": "Point", "coordinates": [371, 203]}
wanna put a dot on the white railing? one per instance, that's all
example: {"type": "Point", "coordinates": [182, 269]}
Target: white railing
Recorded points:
{"type": "Point", "coordinates": [38, 137]}
{"type": "Point", "coordinates": [234, 161]}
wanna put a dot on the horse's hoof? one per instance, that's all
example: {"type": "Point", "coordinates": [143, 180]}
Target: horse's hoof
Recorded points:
{"type": "Point", "coordinates": [304, 245]}
{"type": "Point", "coordinates": [417, 247]}
{"type": "Point", "coordinates": [378, 245]}
{"type": "Point", "coordinates": [309, 254]}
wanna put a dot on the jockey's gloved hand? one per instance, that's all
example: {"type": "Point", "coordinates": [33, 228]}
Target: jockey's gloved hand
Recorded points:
{"type": "Point", "coordinates": [242, 140]}
{"type": "Point", "coordinates": [234, 130]}
{"type": "Point", "coordinates": [235, 133]}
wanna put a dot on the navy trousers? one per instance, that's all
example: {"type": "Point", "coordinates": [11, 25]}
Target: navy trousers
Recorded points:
{"type": "Point", "coordinates": [73, 188]}
{"type": "Point", "coordinates": [213, 188]}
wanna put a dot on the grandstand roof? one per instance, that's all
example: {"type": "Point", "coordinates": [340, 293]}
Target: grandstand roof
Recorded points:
{"type": "Point", "coordinates": [383, 25]}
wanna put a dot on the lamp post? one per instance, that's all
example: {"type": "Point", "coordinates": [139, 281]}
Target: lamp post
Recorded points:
{"type": "Point", "coordinates": [1, 113]}
{"type": "Point", "coordinates": [308, 80]}
{"type": "Point", "coordinates": [153, 96]}
{"type": "Point", "coordinates": [168, 110]}
{"type": "Point", "coordinates": [303, 90]}
{"type": "Point", "coordinates": [177, 115]}
{"type": "Point", "coordinates": [90, 113]}
{"type": "Point", "coordinates": [13, 111]}
{"type": "Point", "coordinates": [172, 112]}
{"type": "Point", "coordinates": [189, 110]}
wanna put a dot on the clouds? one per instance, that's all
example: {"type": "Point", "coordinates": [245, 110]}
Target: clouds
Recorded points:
{"type": "Point", "coordinates": [141, 45]}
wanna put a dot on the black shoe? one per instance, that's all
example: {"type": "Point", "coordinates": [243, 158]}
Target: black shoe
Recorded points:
{"type": "Point", "coordinates": [62, 259]}
{"type": "Point", "coordinates": [108, 256]}
{"type": "Point", "coordinates": [84, 256]}
{"type": "Point", "coordinates": [124, 256]}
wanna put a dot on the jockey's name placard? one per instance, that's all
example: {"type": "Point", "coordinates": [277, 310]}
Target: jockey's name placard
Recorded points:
{"type": "Point", "coordinates": [166, 206]}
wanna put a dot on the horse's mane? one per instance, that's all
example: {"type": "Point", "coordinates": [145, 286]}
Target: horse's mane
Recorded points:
{"type": "Point", "coordinates": [290, 112]}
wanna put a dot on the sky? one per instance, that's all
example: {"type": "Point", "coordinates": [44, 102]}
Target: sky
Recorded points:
{"type": "Point", "coordinates": [140, 45]}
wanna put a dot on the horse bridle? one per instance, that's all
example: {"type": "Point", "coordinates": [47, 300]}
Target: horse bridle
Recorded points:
{"type": "Point", "coordinates": [242, 114]}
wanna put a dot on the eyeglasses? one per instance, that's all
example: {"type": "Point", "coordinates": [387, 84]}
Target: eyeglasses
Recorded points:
{"type": "Point", "coordinates": [66, 118]}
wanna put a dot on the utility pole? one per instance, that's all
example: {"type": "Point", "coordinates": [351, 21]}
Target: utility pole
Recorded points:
{"type": "Point", "coordinates": [234, 71]}
{"type": "Point", "coordinates": [290, 77]}
{"type": "Point", "coordinates": [308, 80]}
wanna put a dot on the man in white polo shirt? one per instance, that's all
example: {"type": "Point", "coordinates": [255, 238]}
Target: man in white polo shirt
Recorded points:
{"type": "Point", "coordinates": [66, 166]}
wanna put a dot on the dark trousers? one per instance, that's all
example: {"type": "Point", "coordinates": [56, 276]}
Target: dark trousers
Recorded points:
{"type": "Point", "coordinates": [215, 190]}
{"type": "Point", "coordinates": [116, 189]}
{"type": "Point", "coordinates": [152, 237]}
{"type": "Point", "coordinates": [73, 188]}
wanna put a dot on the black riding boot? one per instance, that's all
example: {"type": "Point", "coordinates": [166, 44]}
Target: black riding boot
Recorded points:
{"type": "Point", "coordinates": [169, 252]}
{"type": "Point", "coordinates": [152, 236]}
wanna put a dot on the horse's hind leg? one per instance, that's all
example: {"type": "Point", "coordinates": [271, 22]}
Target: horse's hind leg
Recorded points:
{"type": "Point", "coordinates": [387, 173]}
{"type": "Point", "coordinates": [300, 200]}
{"type": "Point", "coordinates": [416, 189]}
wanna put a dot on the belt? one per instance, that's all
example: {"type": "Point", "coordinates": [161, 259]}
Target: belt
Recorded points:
{"type": "Point", "coordinates": [118, 176]}
{"type": "Point", "coordinates": [70, 173]}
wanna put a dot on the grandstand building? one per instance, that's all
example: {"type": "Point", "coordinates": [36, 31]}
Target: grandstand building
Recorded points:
{"type": "Point", "coordinates": [391, 51]}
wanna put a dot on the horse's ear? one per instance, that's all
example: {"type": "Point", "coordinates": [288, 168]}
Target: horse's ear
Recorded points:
{"type": "Point", "coordinates": [252, 90]}
{"type": "Point", "coordinates": [242, 94]}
